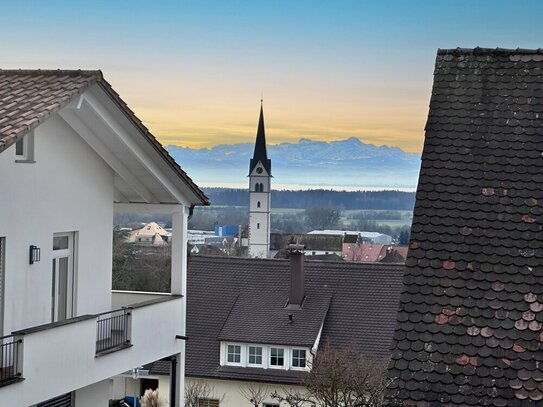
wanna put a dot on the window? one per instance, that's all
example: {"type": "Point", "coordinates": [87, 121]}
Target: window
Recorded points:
{"type": "Point", "coordinates": [277, 357]}
{"type": "Point", "coordinates": [258, 204]}
{"type": "Point", "coordinates": [234, 354]}
{"type": "Point", "coordinates": [24, 148]}
{"type": "Point", "coordinates": [208, 403]}
{"type": "Point", "coordinates": [270, 405]}
{"type": "Point", "coordinates": [298, 358]}
{"type": "Point", "coordinates": [258, 225]}
{"type": "Point", "coordinates": [255, 355]}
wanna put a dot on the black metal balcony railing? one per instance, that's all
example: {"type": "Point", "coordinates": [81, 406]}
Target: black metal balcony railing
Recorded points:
{"type": "Point", "coordinates": [10, 366]}
{"type": "Point", "coordinates": [113, 330]}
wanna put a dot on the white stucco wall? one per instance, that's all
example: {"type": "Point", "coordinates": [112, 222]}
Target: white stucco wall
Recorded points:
{"type": "Point", "coordinates": [259, 237]}
{"type": "Point", "coordinates": [97, 394]}
{"type": "Point", "coordinates": [69, 188]}
{"type": "Point", "coordinates": [228, 391]}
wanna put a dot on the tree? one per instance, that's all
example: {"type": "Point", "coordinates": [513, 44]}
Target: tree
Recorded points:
{"type": "Point", "coordinates": [340, 378]}
{"type": "Point", "coordinates": [294, 398]}
{"type": "Point", "coordinates": [140, 268]}
{"type": "Point", "coordinates": [196, 390]}
{"type": "Point", "coordinates": [322, 217]}
{"type": "Point", "coordinates": [255, 393]}
{"type": "Point", "coordinates": [346, 378]}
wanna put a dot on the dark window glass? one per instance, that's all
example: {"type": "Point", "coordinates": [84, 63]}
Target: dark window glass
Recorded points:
{"type": "Point", "coordinates": [234, 354]}
{"type": "Point", "coordinates": [298, 358]}
{"type": "Point", "coordinates": [255, 355]}
{"type": "Point", "coordinates": [277, 357]}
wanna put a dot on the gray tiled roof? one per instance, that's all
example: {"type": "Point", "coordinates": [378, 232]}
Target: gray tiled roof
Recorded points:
{"type": "Point", "coordinates": [361, 313]}
{"type": "Point", "coordinates": [28, 97]}
{"type": "Point", "coordinates": [470, 321]}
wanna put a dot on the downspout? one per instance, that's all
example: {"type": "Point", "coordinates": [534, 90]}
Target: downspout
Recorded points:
{"type": "Point", "coordinates": [173, 380]}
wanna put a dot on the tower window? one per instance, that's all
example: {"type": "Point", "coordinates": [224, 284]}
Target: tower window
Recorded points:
{"type": "Point", "coordinates": [258, 225]}
{"type": "Point", "coordinates": [258, 204]}
{"type": "Point", "coordinates": [259, 187]}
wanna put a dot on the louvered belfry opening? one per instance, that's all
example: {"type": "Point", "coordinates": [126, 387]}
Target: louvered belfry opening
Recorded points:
{"type": "Point", "coordinates": [296, 288]}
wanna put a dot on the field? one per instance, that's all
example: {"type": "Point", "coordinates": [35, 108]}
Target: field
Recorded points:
{"type": "Point", "coordinates": [390, 218]}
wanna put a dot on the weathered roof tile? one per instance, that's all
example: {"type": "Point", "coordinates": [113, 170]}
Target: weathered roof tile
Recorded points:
{"type": "Point", "coordinates": [475, 248]}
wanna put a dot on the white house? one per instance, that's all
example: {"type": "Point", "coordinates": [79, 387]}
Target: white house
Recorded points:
{"type": "Point", "coordinates": [71, 154]}
{"type": "Point", "coordinates": [261, 321]}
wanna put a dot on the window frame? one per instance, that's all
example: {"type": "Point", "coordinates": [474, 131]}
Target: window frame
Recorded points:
{"type": "Point", "coordinates": [27, 145]}
{"type": "Point", "coordinates": [294, 367]}
{"type": "Point", "coordinates": [285, 358]}
{"type": "Point", "coordinates": [226, 354]}
{"type": "Point", "coordinates": [262, 355]}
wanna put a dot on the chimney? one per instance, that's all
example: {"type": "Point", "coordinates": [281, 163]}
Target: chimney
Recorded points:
{"type": "Point", "coordinates": [296, 291]}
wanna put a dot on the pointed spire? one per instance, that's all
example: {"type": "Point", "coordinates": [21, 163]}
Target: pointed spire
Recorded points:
{"type": "Point", "coordinates": [260, 153]}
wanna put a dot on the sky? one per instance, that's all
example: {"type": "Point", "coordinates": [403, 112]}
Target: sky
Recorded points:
{"type": "Point", "coordinates": [195, 71]}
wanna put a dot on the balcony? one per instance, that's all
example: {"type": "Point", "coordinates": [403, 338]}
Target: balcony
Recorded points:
{"type": "Point", "coordinates": [10, 361]}
{"type": "Point", "coordinates": [59, 357]}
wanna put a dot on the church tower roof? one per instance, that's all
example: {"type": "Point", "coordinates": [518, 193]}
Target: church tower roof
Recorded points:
{"type": "Point", "coordinates": [260, 153]}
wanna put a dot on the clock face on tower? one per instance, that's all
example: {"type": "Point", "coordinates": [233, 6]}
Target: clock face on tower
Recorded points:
{"type": "Point", "coordinates": [259, 170]}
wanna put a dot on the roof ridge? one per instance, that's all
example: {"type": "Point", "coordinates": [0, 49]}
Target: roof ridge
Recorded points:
{"type": "Point", "coordinates": [494, 51]}
{"type": "Point", "coordinates": [89, 72]}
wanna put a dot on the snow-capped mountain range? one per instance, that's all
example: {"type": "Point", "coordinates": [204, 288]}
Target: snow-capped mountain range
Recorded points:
{"type": "Point", "coordinates": [342, 163]}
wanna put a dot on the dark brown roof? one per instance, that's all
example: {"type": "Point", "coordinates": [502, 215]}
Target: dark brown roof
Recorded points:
{"type": "Point", "coordinates": [28, 97]}
{"type": "Point", "coordinates": [363, 300]}
{"type": "Point", "coordinates": [331, 243]}
{"type": "Point", "coordinates": [350, 238]}
{"type": "Point", "coordinates": [257, 318]}
{"type": "Point", "coordinates": [470, 322]}
{"type": "Point", "coordinates": [392, 256]}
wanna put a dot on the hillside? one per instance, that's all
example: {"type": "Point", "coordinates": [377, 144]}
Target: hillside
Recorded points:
{"type": "Point", "coordinates": [385, 200]}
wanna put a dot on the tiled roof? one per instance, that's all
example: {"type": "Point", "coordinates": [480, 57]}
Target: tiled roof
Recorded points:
{"type": "Point", "coordinates": [280, 241]}
{"type": "Point", "coordinates": [28, 97]}
{"type": "Point", "coordinates": [470, 322]}
{"type": "Point", "coordinates": [258, 318]}
{"type": "Point", "coordinates": [364, 301]}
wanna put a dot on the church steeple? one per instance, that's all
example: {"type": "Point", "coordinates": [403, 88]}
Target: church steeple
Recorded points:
{"type": "Point", "coordinates": [259, 195]}
{"type": "Point", "coordinates": [260, 153]}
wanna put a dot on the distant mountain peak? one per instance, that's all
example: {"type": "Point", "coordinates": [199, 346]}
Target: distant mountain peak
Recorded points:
{"type": "Point", "coordinates": [349, 162]}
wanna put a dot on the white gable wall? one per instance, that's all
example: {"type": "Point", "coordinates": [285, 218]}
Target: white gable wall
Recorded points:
{"type": "Point", "coordinates": [68, 189]}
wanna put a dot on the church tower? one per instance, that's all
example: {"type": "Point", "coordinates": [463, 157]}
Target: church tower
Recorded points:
{"type": "Point", "coordinates": [259, 195]}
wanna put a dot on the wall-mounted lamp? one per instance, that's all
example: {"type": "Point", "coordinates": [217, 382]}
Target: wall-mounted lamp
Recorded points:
{"type": "Point", "coordinates": [34, 255]}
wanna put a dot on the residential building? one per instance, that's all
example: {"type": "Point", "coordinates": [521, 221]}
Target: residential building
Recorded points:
{"type": "Point", "coordinates": [263, 320]}
{"type": "Point", "coordinates": [368, 237]}
{"type": "Point", "coordinates": [371, 252]}
{"type": "Point", "coordinates": [151, 234]}
{"type": "Point", "coordinates": [470, 322]}
{"type": "Point", "coordinates": [315, 245]}
{"type": "Point", "coordinates": [71, 154]}
{"type": "Point", "coordinates": [259, 195]}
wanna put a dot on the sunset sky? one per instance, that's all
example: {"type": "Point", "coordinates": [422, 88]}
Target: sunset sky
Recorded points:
{"type": "Point", "coordinates": [194, 71]}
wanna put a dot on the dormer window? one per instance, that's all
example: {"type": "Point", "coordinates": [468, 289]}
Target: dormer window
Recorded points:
{"type": "Point", "coordinates": [277, 357]}
{"type": "Point", "coordinates": [234, 354]}
{"type": "Point", "coordinates": [298, 358]}
{"type": "Point", "coordinates": [24, 149]}
{"type": "Point", "coordinates": [255, 355]}
{"type": "Point", "coordinates": [265, 356]}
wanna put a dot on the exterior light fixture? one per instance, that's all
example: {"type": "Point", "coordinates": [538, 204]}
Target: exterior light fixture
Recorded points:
{"type": "Point", "coordinates": [34, 254]}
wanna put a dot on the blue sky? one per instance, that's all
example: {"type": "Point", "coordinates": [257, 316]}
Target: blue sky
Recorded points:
{"type": "Point", "coordinates": [194, 70]}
